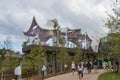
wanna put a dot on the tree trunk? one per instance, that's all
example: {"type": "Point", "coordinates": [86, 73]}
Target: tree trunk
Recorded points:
{"type": "Point", "coordinates": [119, 68]}
{"type": "Point", "coordinates": [61, 68]}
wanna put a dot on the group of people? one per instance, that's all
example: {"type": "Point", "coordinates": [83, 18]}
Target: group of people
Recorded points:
{"type": "Point", "coordinates": [84, 67]}
{"type": "Point", "coordinates": [107, 65]}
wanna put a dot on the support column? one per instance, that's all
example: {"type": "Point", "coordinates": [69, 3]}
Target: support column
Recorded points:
{"type": "Point", "coordinates": [54, 63]}
{"type": "Point", "coordinates": [46, 60]}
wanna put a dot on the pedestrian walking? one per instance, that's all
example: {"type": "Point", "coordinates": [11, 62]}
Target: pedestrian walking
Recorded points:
{"type": "Point", "coordinates": [73, 67]}
{"type": "Point", "coordinates": [88, 67]}
{"type": "Point", "coordinates": [110, 65]}
{"type": "Point", "coordinates": [95, 65]}
{"type": "Point", "coordinates": [103, 65]}
{"type": "Point", "coordinates": [106, 65]}
{"type": "Point", "coordinates": [80, 72]}
{"type": "Point", "coordinates": [65, 66]}
{"type": "Point", "coordinates": [85, 67]}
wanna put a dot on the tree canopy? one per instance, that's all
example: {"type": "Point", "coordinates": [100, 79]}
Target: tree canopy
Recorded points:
{"type": "Point", "coordinates": [113, 24]}
{"type": "Point", "coordinates": [34, 60]}
{"type": "Point", "coordinates": [113, 20]}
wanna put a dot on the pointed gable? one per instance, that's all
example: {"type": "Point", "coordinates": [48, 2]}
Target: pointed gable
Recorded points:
{"type": "Point", "coordinates": [34, 28]}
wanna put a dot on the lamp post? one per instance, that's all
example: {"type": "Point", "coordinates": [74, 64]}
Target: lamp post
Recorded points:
{"type": "Point", "coordinates": [43, 71]}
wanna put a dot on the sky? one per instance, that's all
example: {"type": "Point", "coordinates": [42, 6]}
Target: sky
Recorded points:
{"type": "Point", "coordinates": [16, 17]}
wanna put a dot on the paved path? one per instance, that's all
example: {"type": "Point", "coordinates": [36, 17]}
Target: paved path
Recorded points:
{"type": "Point", "coordinates": [69, 76]}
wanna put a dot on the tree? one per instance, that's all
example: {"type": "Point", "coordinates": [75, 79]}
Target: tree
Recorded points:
{"type": "Point", "coordinates": [113, 23]}
{"type": "Point", "coordinates": [62, 57]}
{"type": "Point", "coordinates": [8, 43]}
{"type": "Point", "coordinates": [7, 62]}
{"type": "Point", "coordinates": [24, 44]}
{"type": "Point", "coordinates": [114, 43]}
{"type": "Point", "coordinates": [113, 20]}
{"type": "Point", "coordinates": [56, 32]}
{"type": "Point", "coordinates": [34, 60]}
{"type": "Point", "coordinates": [78, 55]}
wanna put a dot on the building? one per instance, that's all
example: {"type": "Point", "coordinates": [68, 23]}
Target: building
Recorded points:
{"type": "Point", "coordinates": [56, 37]}
{"type": "Point", "coordinates": [53, 39]}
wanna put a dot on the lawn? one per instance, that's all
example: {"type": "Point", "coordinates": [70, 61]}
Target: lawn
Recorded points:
{"type": "Point", "coordinates": [109, 76]}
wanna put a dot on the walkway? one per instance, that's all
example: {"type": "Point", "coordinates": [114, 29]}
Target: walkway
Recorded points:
{"type": "Point", "coordinates": [69, 76]}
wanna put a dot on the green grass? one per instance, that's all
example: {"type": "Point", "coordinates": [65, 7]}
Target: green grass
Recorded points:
{"type": "Point", "coordinates": [109, 76]}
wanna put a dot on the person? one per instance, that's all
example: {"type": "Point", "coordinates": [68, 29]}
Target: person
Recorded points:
{"type": "Point", "coordinates": [106, 65]}
{"type": "Point", "coordinates": [65, 66]}
{"type": "Point", "coordinates": [85, 67]}
{"type": "Point", "coordinates": [95, 66]}
{"type": "Point", "coordinates": [110, 65]}
{"type": "Point", "coordinates": [103, 64]}
{"type": "Point", "coordinates": [73, 67]}
{"type": "Point", "coordinates": [82, 63]}
{"type": "Point", "coordinates": [80, 71]}
{"type": "Point", "coordinates": [88, 67]}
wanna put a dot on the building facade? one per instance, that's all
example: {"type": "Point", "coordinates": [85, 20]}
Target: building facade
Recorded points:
{"type": "Point", "coordinates": [52, 40]}
{"type": "Point", "coordinates": [69, 38]}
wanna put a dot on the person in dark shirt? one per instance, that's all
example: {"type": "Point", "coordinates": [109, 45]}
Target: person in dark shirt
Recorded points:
{"type": "Point", "coordinates": [95, 65]}
{"type": "Point", "coordinates": [89, 67]}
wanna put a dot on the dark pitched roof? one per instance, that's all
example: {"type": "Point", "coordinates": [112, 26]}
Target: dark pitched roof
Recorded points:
{"type": "Point", "coordinates": [34, 26]}
{"type": "Point", "coordinates": [35, 29]}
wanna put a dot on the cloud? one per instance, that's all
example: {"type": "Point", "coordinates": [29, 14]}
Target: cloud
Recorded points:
{"type": "Point", "coordinates": [16, 15]}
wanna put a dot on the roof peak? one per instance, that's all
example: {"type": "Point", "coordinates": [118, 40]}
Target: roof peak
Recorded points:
{"type": "Point", "coordinates": [34, 22]}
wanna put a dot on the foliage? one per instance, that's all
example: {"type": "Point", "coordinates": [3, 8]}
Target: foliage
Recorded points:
{"type": "Point", "coordinates": [62, 56]}
{"type": "Point", "coordinates": [114, 45]}
{"type": "Point", "coordinates": [113, 23]}
{"type": "Point", "coordinates": [85, 57]}
{"type": "Point", "coordinates": [8, 62]}
{"type": "Point", "coordinates": [78, 55]}
{"type": "Point", "coordinates": [91, 58]}
{"type": "Point", "coordinates": [34, 60]}
{"type": "Point", "coordinates": [104, 45]}
{"type": "Point", "coordinates": [24, 44]}
{"type": "Point", "coordinates": [62, 42]}
{"type": "Point", "coordinates": [109, 76]}
{"type": "Point", "coordinates": [56, 31]}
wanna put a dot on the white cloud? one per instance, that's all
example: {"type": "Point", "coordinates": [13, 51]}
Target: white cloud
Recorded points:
{"type": "Point", "coordinates": [16, 15]}
{"type": "Point", "coordinates": [85, 7]}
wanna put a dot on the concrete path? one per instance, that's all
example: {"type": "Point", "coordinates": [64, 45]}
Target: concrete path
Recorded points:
{"type": "Point", "coordinates": [69, 76]}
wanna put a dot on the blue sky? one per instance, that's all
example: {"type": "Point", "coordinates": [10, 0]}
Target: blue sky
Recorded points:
{"type": "Point", "coordinates": [16, 16]}
{"type": "Point", "coordinates": [16, 46]}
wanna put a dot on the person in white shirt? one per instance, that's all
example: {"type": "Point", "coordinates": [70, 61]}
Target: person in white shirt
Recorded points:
{"type": "Point", "coordinates": [73, 67]}
{"type": "Point", "coordinates": [103, 64]}
{"type": "Point", "coordinates": [80, 71]}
